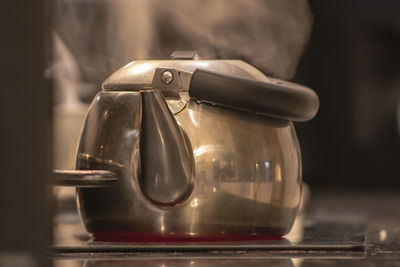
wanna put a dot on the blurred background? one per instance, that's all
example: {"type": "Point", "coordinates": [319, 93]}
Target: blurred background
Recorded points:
{"type": "Point", "coordinates": [55, 54]}
{"type": "Point", "coordinates": [353, 62]}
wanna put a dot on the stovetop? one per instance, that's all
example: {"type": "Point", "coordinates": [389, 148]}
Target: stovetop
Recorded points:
{"type": "Point", "coordinates": [337, 228]}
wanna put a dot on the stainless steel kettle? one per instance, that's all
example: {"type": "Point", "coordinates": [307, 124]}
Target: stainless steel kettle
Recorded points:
{"type": "Point", "coordinates": [191, 150]}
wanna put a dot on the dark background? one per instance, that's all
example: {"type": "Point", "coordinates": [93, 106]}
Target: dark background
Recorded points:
{"type": "Point", "coordinates": [353, 62]}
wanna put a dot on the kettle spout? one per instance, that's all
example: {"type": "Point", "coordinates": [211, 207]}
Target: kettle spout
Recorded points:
{"type": "Point", "coordinates": [166, 161]}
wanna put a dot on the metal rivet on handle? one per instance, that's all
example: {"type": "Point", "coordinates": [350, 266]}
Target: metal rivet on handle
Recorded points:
{"type": "Point", "coordinates": [167, 77]}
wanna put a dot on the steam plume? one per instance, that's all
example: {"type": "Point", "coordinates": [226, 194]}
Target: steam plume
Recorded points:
{"type": "Point", "coordinates": [104, 35]}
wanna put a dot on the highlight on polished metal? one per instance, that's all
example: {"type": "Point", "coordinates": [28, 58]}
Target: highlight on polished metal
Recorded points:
{"type": "Point", "coordinates": [84, 178]}
{"type": "Point", "coordinates": [206, 150]}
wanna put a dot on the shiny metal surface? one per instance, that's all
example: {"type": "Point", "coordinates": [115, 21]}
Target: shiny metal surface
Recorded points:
{"type": "Point", "coordinates": [167, 77]}
{"type": "Point", "coordinates": [84, 178]}
{"type": "Point", "coordinates": [166, 157]}
{"type": "Point", "coordinates": [247, 173]}
{"type": "Point", "coordinates": [206, 172]}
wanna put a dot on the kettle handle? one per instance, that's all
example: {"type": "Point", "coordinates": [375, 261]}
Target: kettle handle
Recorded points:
{"type": "Point", "coordinates": [279, 99]}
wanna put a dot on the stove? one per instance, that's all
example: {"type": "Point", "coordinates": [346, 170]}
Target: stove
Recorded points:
{"type": "Point", "coordinates": [336, 228]}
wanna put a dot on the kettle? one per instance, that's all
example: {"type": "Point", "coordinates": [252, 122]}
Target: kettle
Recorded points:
{"type": "Point", "coordinates": [190, 150]}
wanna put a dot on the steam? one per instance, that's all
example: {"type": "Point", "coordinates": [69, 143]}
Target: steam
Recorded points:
{"type": "Point", "coordinates": [104, 35]}
{"type": "Point", "coordinates": [268, 34]}
{"type": "Point", "coordinates": [65, 73]}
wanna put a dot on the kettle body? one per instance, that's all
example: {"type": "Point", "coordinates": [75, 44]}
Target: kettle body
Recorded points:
{"type": "Point", "coordinates": [233, 174]}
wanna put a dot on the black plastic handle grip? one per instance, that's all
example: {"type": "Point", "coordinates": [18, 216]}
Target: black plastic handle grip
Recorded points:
{"type": "Point", "coordinates": [278, 99]}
